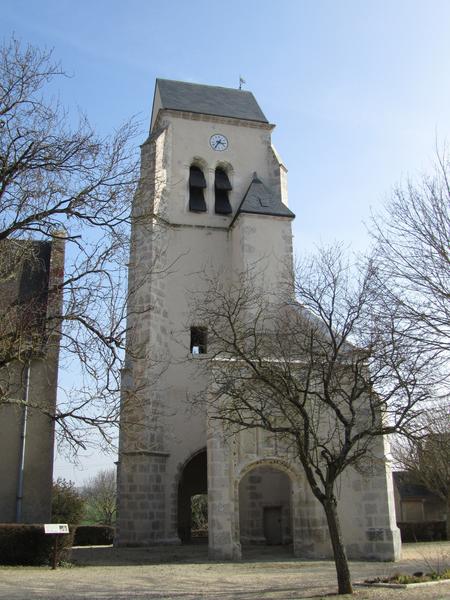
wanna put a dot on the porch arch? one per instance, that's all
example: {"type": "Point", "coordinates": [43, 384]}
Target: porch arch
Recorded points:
{"type": "Point", "coordinates": [193, 479]}
{"type": "Point", "coordinates": [263, 507]}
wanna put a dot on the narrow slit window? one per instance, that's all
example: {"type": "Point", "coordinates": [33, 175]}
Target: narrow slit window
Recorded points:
{"type": "Point", "coordinates": [199, 340]}
{"type": "Point", "coordinates": [222, 186]}
{"type": "Point", "coordinates": [197, 184]}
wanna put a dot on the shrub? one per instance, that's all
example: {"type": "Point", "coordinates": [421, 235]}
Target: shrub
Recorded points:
{"type": "Point", "coordinates": [406, 579]}
{"type": "Point", "coordinates": [29, 545]}
{"type": "Point", "coordinates": [427, 531]}
{"type": "Point", "coordinates": [93, 535]}
{"type": "Point", "coordinates": [67, 503]}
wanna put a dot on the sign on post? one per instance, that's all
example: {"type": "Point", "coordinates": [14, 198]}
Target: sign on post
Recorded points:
{"type": "Point", "coordinates": [55, 529]}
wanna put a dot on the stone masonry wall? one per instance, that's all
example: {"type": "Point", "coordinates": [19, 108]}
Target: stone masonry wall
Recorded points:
{"type": "Point", "coordinates": [141, 489]}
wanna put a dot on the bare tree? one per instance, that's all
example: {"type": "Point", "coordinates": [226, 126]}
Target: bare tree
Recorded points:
{"type": "Point", "coordinates": [328, 376]}
{"type": "Point", "coordinates": [426, 458]}
{"type": "Point", "coordinates": [100, 494]}
{"type": "Point", "coordinates": [413, 252]}
{"type": "Point", "coordinates": [57, 179]}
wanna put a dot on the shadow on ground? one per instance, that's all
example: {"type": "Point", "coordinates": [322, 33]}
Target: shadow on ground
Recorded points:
{"type": "Point", "coordinates": [184, 573]}
{"type": "Point", "coordinates": [186, 553]}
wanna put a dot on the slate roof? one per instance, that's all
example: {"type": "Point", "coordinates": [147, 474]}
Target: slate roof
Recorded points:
{"type": "Point", "coordinates": [209, 100]}
{"type": "Point", "coordinates": [410, 489]}
{"type": "Point", "coordinates": [259, 200]}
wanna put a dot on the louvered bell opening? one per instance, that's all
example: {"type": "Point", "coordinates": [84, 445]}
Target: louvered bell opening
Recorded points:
{"type": "Point", "coordinates": [196, 200]}
{"type": "Point", "coordinates": [197, 183]}
{"type": "Point", "coordinates": [196, 178]}
{"type": "Point", "coordinates": [222, 186]}
{"type": "Point", "coordinates": [223, 206]}
{"type": "Point", "coordinates": [222, 182]}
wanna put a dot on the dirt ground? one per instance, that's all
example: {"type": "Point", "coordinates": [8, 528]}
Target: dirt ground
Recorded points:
{"type": "Point", "coordinates": [184, 572]}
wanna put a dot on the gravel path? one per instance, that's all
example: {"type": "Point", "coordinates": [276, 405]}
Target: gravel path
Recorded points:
{"type": "Point", "coordinates": [184, 573]}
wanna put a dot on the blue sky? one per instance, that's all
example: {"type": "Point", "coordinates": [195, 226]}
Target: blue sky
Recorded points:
{"type": "Point", "coordinates": [359, 90]}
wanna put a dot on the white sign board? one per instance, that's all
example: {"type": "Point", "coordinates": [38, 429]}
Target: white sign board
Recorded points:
{"type": "Point", "coordinates": [56, 528]}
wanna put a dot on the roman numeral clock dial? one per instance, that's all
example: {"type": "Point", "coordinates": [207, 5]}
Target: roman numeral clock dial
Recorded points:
{"type": "Point", "coordinates": [218, 142]}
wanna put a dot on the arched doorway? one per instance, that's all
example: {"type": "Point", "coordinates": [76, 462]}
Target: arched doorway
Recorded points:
{"type": "Point", "coordinates": [265, 507]}
{"type": "Point", "coordinates": [192, 489]}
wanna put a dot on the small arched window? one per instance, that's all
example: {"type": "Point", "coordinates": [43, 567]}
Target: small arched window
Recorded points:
{"type": "Point", "coordinates": [222, 186]}
{"type": "Point", "coordinates": [197, 184]}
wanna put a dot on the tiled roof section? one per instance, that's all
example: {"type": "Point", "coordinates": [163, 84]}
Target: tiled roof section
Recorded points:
{"type": "Point", "coordinates": [260, 200]}
{"type": "Point", "coordinates": [209, 100]}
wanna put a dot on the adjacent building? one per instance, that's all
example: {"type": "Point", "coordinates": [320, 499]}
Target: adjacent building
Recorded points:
{"type": "Point", "coordinates": [30, 310]}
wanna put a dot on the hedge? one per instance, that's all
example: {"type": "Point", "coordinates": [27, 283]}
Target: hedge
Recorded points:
{"type": "Point", "coordinates": [23, 544]}
{"type": "Point", "coordinates": [426, 531]}
{"type": "Point", "coordinates": [93, 535]}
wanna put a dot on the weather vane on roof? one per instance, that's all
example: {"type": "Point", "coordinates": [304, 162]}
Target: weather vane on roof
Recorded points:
{"type": "Point", "coordinates": [241, 81]}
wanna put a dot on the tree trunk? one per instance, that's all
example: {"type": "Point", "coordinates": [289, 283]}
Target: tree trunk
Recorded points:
{"type": "Point", "coordinates": [339, 553]}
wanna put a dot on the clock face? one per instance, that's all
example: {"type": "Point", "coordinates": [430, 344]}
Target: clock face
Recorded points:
{"type": "Point", "coordinates": [218, 142]}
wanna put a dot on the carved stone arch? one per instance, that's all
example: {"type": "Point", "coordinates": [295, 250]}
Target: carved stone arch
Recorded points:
{"type": "Point", "coordinates": [295, 477]}
{"type": "Point", "coordinates": [269, 461]}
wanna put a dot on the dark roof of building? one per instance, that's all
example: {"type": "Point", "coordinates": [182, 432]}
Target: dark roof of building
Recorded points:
{"type": "Point", "coordinates": [408, 488]}
{"type": "Point", "coordinates": [259, 200]}
{"type": "Point", "coordinates": [209, 100]}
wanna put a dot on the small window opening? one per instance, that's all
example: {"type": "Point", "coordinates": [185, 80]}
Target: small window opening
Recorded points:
{"type": "Point", "coordinates": [222, 186]}
{"type": "Point", "coordinates": [198, 340]}
{"type": "Point", "coordinates": [197, 184]}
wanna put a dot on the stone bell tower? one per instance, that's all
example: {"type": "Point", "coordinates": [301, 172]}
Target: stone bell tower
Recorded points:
{"type": "Point", "coordinates": [212, 198]}
{"type": "Point", "coordinates": [207, 164]}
